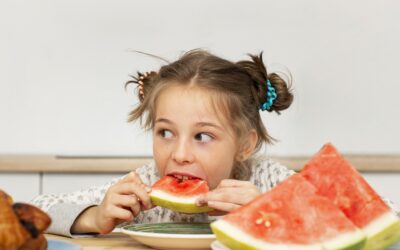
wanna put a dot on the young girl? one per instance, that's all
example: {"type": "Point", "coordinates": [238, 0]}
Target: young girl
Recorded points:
{"type": "Point", "coordinates": [204, 113]}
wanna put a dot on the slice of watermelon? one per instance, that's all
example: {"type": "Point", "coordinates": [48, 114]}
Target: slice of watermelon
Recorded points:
{"type": "Point", "coordinates": [179, 195]}
{"type": "Point", "coordinates": [337, 180]}
{"type": "Point", "coordinates": [291, 216]}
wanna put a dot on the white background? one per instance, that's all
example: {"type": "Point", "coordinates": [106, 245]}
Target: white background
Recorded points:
{"type": "Point", "coordinates": [63, 65]}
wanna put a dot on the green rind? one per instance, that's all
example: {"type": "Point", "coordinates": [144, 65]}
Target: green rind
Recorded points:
{"type": "Point", "coordinates": [179, 207]}
{"type": "Point", "coordinates": [357, 246]}
{"type": "Point", "coordinates": [229, 241]}
{"type": "Point", "coordinates": [234, 244]}
{"type": "Point", "coordinates": [385, 238]}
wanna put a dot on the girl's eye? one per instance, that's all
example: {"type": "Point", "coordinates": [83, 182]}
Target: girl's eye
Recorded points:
{"type": "Point", "coordinates": [203, 137]}
{"type": "Point", "coordinates": [165, 133]}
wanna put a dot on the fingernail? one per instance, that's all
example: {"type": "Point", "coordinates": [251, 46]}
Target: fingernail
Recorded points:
{"type": "Point", "coordinates": [148, 189]}
{"type": "Point", "coordinates": [200, 202]}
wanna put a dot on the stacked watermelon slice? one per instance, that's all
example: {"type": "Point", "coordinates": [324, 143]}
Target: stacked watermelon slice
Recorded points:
{"type": "Point", "coordinates": [337, 180]}
{"type": "Point", "coordinates": [328, 205]}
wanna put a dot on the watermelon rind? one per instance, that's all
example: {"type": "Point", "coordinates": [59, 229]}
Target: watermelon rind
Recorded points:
{"type": "Point", "coordinates": [382, 232]}
{"type": "Point", "coordinates": [178, 204]}
{"type": "Point", "coordinates": [349, 241]}
{"type": "Point", "coordinates": [235, 238]}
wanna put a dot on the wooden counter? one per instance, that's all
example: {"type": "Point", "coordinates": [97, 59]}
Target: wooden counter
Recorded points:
{"type": "Point", "coordinates": [64, 164]}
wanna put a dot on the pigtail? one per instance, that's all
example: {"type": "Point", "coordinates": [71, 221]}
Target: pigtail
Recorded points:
{"type": "Point", "coordinates": [145, 84]}
{"type": "Point", "coordinates": [145, 81]}
{"type": "Point", "coordinates": [283, 91]}
{"type": "Point", "coordinates": [257, 71]}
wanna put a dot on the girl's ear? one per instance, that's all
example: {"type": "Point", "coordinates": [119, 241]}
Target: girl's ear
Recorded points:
{"type": "Point", "coordinates": [247, 147]}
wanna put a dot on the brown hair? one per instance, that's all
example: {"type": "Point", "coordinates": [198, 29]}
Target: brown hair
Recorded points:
{"type": "Point", "coordinates": [240, 89]}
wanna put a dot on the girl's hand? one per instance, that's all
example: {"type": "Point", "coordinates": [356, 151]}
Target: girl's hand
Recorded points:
{"type": "Point", "coordinates": [122, 202]}
{"type": "Point", "coordinates": [229, 195]}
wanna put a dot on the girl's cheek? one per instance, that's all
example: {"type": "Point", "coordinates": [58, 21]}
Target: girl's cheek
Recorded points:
{"type": "Point", "coordinates": [161, 148]}
{"type": "Point", "coordinates": [160, 158]}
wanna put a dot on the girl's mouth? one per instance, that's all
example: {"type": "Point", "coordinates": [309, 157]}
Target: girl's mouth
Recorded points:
{"type": "Point", "coordinates": [184, 176]}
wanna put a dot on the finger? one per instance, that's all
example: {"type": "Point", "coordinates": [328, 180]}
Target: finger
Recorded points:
{"type": "Point", "coordinates": [120, 213]}
{"type": "Point", "coordinates": [234, 183]}
{"type": "Point", "coordinates": [131, 177]}
{"type": "Point", "coordinates": [136, 189]}
{"type": "Point", "coordinates": [239, 196]}
{"type": "Point", "coordinates": [219, 194]}
{"type": "Point", "coordinates": [126, 201]}
{"type": "Point", "coordinates": [136, 208]}
{"type": "Point", "coordinates": [223, 206]}
{"type": "Point", "coordinates": [134, 177]}
{"type": "Point", "coordinates": [201, 201]}
{"type": "Point", "coordinates": [130, 202]}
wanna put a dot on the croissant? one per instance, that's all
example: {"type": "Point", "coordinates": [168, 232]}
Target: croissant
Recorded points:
{"type": "Point", "coordinates": [40, 243]}
{"type": "Point", "coordinates": [21, 225]}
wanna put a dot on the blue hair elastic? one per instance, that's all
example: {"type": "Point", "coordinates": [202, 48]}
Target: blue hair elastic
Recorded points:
{"type": "Point", "coordinates": [271, 97]}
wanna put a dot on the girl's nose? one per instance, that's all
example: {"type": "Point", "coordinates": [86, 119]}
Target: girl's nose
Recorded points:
{"type": "Point", "coordinates": [183, 152]}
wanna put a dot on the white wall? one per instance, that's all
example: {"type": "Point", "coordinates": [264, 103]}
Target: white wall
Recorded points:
{"type": "Point", "coordinates": [63, 65]}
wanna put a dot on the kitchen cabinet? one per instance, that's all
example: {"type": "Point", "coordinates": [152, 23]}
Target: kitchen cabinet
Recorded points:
{"type": "Point", "coordinates": [54, 183]}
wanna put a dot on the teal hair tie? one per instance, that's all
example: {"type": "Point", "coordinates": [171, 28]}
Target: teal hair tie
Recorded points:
{"type": "Point", "coordinates": [271, 97]}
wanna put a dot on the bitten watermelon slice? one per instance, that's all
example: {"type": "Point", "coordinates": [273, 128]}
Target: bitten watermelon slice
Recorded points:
{"type": "Point", "coordinates": [179, 195]}
{"type": "Point", "coordinates": [292, 217]}
{"type": "Point", "coordinates": [337, 180]}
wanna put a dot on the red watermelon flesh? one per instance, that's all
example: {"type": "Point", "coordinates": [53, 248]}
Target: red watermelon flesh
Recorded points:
{"type": "Point", "coordinates": [291, 216]}
{"type": "Point", "coordinates": [336, 179]}
{"type": "Point", "coordinates": [187, 187]}
{"type": "Point", "coordinates": [179, 195]}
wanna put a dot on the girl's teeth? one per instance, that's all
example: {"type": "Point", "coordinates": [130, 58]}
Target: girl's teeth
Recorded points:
{"type": "Point", "coordinates": [183, 177]}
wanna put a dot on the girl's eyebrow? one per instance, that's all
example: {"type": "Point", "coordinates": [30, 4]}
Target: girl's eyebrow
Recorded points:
{"type": "Point", "coordinates": [164, 120]}
{"type": "Point", "coordinates": [198, 124]}
{"type": "Point", "coordinates": [208, 124]}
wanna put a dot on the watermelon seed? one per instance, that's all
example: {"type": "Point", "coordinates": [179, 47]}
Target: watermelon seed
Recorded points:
{"type": "Point", "coordinates": [267, 223]}
{"type": "Point", "coordinates": [259, 221]}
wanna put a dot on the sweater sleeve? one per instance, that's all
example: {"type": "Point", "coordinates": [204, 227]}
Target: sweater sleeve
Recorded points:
{"type": "Point", "coordinates": [392, 206]}
{"type": "Point", "coordinates": [266, 174]}
{"type": "Point", "coordinates": [64, 208]}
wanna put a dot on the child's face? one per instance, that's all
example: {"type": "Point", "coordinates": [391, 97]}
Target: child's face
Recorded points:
{"type": "Point", "coordinates": [189, 139]}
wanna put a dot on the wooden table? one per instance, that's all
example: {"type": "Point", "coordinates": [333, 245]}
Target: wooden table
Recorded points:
{"type": "Point", "coordinates": [117, 241]}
